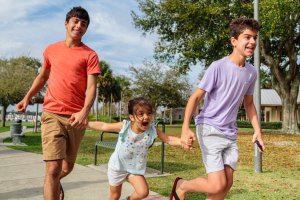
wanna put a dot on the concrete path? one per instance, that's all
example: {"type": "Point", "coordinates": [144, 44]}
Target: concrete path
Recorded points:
{"type": "Point", "coordinates": [22, 176]}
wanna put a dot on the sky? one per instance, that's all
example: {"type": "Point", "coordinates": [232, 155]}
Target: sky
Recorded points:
{"type": "Point", "coordinates": [29, 26]}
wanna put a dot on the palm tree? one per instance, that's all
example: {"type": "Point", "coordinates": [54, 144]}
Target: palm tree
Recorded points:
{"type": "Point", "coordinates": [109, 88]}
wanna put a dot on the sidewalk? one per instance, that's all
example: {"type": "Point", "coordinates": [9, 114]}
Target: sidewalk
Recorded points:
{"type": "Point", "coordinates": [22, 176]}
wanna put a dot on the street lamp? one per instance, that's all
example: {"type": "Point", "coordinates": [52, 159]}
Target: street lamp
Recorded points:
{"type": "Point", "coordinates": [257, 153]}
{"type": "Point", "coordinates": [97, 96]}
{"type": "Point", "coordinates": [36, 100]}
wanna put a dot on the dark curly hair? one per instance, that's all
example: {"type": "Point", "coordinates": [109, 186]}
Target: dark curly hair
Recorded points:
{"type": "Point", "coordinates": [238, 25]}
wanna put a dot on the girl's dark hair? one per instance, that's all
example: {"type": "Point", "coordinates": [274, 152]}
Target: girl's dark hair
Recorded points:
{"type": "Point", "coordinates": [238, 25]}
{"type": "Point", "coordinates": [79, 12]}
{"type": "Point", "coordinates": [139, 101]}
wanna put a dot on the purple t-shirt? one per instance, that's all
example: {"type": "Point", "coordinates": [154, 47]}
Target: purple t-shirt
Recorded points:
{"type": "Point", "coordinates": [225, 84]}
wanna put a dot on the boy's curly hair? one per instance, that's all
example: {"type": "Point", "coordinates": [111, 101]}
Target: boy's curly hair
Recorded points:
{"type": "Point", "coordinates": [238, 25]}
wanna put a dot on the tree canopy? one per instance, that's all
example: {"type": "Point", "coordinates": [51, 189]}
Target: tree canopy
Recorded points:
{"type": "Point", "coordinates": [16, 77]}
{"type": "Point", "coordinates": [109, 87]}
{"type": "Point", "coordinates": [162, 86]}
{"type": "Point", "coordinates": [126, 93]}
{"type": "Point", "coordinates": [190, 31]}
{"type": "Point", "coordinates": [198, 31]}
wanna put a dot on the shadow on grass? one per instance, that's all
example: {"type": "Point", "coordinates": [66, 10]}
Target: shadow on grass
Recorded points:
{"type": "Point", "coordinates": [196, 196]}
{"type": "Point", "coordinates": [172, 167]}
{"type": "Point", "coordinates": [238, 191]}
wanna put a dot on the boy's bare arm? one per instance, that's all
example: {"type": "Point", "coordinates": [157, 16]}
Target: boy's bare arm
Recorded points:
{"type": "Point", "coordinates": [36, 86]}
{"type": "Point", "coordinates": [252, 115]}
{"type": "Point", "coordinates": [79, 119]}
{"type": "Point", "coordinates": [186, 133]}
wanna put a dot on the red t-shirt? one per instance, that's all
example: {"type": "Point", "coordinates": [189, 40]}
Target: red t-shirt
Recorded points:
{"type": "Point", "coordinates": [67, 82]}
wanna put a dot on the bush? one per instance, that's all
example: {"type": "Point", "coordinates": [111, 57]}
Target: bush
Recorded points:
{"type": "Point", "coordinates": [264, 125]}
{"type": "Point", "coordinates": [271, 125]}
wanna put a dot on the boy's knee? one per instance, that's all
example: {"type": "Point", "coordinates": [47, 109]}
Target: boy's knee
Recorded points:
{"type": "Point", "coordinates": [143, 194]}
{"type": "Point", "coordinates": [219, 188]}
{"type": "Point", "coordinates": [115, 196]}
{"type": "Point", "coordinates": [53, 172]}
{"type": "Point", "coordinates": [66, 171]}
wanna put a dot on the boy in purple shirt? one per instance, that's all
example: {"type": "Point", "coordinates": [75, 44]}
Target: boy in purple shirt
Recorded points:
{"type": "Point", "coordinates": [226, 83]}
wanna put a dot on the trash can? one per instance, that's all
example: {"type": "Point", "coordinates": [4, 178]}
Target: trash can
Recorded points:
{"type": "Point", "coordinates": [16, 132]}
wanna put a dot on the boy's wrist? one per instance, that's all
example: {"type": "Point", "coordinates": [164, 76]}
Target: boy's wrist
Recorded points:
{"type": "Point", "coordinates": [185, 125]}
{"type": "Point", "coordinates": [26, 99]}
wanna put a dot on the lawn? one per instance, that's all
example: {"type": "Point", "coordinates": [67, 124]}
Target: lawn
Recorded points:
{"type": "Point", "coordinates": [4, 129]}
{"type": "Point", "coordinates": [281, 165]}
{"type": "Point", "coordinates": [7, 126]}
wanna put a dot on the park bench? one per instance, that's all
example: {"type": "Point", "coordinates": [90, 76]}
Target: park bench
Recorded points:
{"type": "Point", "coordinates": [112, 144]}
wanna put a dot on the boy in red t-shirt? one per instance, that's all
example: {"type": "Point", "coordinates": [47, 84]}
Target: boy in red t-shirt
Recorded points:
{"type": "Point", "coordinates": [71, 69]}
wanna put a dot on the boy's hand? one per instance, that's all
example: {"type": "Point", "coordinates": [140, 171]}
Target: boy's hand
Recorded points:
{"type": "Point", "coordinates": [257, 136]}
{"type": "Point", "coordinates": [22, 105]}
{"type": "Point", "coordinates": [78, 120]}
{"type": "Point", "coordinates": [187, 138]}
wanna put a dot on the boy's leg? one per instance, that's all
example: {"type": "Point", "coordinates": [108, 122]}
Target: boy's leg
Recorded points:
{"type": "Point", "coordinates": [67, 167]}
{"type": "Point", "coordinates": [229, 181]}
{"type": "Point", "coordinates": [52, 177]}
{"type": "Point", "coordinates": [217, 152]}
{"type": "Point", "coordinates": [53, 143]}
{"type": "Point", "coordinates": [115, 192]}
{"type": "Point", "coordinates": [141, 189]}
{"type": "Point", "coordinates": [213, 184]}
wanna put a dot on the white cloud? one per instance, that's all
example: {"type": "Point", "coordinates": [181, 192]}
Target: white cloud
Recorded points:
{"type": "Point", "coordinates": [113, 34]}
{"type": "Point", "coordinates": [27, 27]}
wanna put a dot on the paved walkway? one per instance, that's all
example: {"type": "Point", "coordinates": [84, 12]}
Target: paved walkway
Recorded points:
{"type": "Point", "coordinates": [22, 175]}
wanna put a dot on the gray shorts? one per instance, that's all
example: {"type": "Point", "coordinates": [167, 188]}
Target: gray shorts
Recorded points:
{"type": "Point", "coordinates": [116, 178]}
{"type": "Point", "coordinates": [217, 150]}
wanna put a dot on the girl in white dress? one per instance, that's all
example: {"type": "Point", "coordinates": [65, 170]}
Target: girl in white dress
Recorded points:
{"type": "Point", "coordinates": [129, 159]}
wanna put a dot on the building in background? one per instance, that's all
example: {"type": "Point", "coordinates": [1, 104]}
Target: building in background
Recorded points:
{"type": "Point", "coordinates": [271, 106]}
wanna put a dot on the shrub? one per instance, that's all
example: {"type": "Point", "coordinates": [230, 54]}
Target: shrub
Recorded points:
{"type": "Point", "coordinates": [264, 125]}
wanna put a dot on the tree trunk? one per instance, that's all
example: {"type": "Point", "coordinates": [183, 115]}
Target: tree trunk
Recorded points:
{"type": "Point", "coordinates": [103, 107]}
{"type": "Point", "coordinates": [285, 80]}
{"type": "Point", "coordinates": [171, 116]}
{"type": "Point", "coordinates": [289, 114]}
{"type": "Point", "coordinates": [109, 108]}
{"type": "Point", "coordinates": [120, 106]}
{"type": "Point", "coordinates": [120, 111]}
{"type": "Point", "coordinates": [36, 118]}
{"type": "Point", "coordinates": [4, 115]}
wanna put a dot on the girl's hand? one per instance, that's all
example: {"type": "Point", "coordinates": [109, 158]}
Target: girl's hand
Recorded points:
{"type": "Point", "coordinates": [189, 143]}
{"type": "Point", "coordinates": [187, 138]}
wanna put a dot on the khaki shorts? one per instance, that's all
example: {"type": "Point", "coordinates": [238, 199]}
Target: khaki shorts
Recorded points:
{"type": "Point", "coordinates": [59, 139]}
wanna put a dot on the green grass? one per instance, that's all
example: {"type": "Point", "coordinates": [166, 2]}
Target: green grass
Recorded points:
{"type": "Point", "coordinates": [281, 164]}
{"type": "Point", "coordinates": [4, 129]}
{"type": "Point", "coordinates": [7, 126]}
{"type": "Point", "coordinates": [33, 140]}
